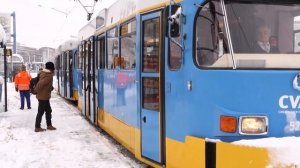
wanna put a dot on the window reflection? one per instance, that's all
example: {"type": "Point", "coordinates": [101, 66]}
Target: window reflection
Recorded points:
{"type": "Point", "coordinates": [128, 45]}
{"type": "Point", "coordinates": [150, 93]}
{"type": "Point", "coordinates": [175, 54]}
{"type": "Point", "coordinates": [151, 43]}
{"type": "Point", "coordinates": [112, 49]}
{"type": "Point", "coordinates": [263, 35]}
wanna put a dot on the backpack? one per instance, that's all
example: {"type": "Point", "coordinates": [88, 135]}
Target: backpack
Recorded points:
{"type": "Point", "coordinates": [33, 83]}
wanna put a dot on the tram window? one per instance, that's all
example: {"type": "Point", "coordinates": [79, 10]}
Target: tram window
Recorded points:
{"type": "Point", "coordinates": [112, 49]}
{"type": "Point", "coordinates": [65, 64]}
{"type": "Point", "coordinates": [76, 60]}
{"type": "Point", "coordinates": [80, 57]}
{"type": "Point", "coordinates": [60, 61]}
{"type": "Point", "coordinates": [71, 63]}
{"type": "Point", "coordinates": [86, 54]}
{"type": "Point", "coordinates": [210, 43]}
{"type": "Point", "coordinates": [151, 44]}
{"type": "Point", "coordinates": [150, 94]}
{"type": "Point", "coordinates": [102, 53]}
{"type": "Point", "coordinates": [97, 54]}
{"type": "Point", "coordinates": [69, 59]}
{"type": "Point", "coordinates": [92, 56]}
{"type": "Point", "coordinates": [128, 45]}
{"type": "Point", "coordinates": [175, 55]}
{"type": "Point", "coordinates": [263, 34]}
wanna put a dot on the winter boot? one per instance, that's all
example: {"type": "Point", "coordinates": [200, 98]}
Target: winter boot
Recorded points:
{"type": "Point", "coordinates": [50, 127]}
{"type": "Point", "coordinates": [39, 130]}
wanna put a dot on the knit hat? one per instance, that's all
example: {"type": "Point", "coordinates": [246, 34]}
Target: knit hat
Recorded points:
{"type": "Point", "coordinates": [23, 68]}
{"type": "Point", "coordinates": [50, 66]}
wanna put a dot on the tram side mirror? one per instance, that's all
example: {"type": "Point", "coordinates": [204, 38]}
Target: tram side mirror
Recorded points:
{"type": "Point", "coordinates": [175, 21]}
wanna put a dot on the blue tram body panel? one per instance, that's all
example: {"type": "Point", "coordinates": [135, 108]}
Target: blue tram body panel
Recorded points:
{"type": "Point", "coordinates": [231, 93]}
{"type": "Point", "coordinates": [75, 80]}
{"type": "Point", "coordinates": [119, 95]}
{"type": "Point", "coordinates": [150, 137]}
{"type": "Point", "coordinates": [80, 83]}
{"type": "Point", "coordinates": [100, 88]}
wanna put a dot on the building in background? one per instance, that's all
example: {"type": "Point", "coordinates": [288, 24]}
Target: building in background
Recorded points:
{"type": "Point", "coordinates": [35, 58]}
{"type": "Point", "coordinates": [48, 54]}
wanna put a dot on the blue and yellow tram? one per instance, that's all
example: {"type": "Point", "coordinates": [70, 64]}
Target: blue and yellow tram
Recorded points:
{"type": "Point", "coordinates": [67, 73]}
{"type": "Point", "coordinates": [176, 82]}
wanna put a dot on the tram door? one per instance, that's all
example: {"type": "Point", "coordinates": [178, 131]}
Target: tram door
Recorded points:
{"type": "Point", "coordinates": [69, 79]}
{"type": "Point", "coordinates": [92, 75]}
{"type": "Point", "coordinates": [58, 73]}
{"type": "Point", "coordinates": [150, 84]}
{"type": "Point", "coordinates": [61, 74]}
{"type": "Point", "coordinates": [70, 74]}
{"type": "Point", "coordinates": [89, 80]}
{"type": "Point", "coordinates": [99, 80]}
{"type": "Point", "coordinates": [65, 75]}
{"type": "Point", "coordinates": [58, 64]}
{"type": "Point", "coordinates": [86, 80]}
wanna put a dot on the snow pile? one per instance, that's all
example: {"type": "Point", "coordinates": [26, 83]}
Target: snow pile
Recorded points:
{"type": "Point", "coordinates": [282, 151]}
{"type": "Point", "coordinates": [5, 133]}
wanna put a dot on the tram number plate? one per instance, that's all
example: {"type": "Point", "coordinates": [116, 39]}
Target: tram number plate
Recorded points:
{"type": "Point", "coordinates": [294, 126]}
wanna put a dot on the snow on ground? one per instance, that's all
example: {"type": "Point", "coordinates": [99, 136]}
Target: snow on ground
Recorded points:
{"type": "Point", "coordinates": [75, 143]}
{"type": "Point", "coordinates": [282, 151]}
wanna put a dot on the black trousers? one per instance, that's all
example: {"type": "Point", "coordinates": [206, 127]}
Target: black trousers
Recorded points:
{"type": "Point", "coordinates": [44, 106]}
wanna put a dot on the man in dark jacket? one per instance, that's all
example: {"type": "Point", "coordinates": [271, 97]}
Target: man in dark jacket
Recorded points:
{"type": "Point", "coordinates": [43, 93]}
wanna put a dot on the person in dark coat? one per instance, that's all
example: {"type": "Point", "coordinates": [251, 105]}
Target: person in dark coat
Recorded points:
{"type": "Point", "coordinates": [262, 44]}
{"type": "Point", "coordinates": [43, 93]}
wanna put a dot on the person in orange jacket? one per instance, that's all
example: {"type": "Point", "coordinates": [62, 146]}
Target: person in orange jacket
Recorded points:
{"type": "Point", "coordinates": [22, 81]}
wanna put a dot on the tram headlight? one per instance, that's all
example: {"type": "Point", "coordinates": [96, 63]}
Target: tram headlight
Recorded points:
{"type": "Point", "coordinates": [253, 125]}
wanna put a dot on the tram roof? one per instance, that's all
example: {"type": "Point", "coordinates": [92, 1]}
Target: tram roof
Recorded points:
{"type": "Point", "coordinates": [120, 11]}
{"type": "Point", "coordinates": [67, 45]}
{"type": "Point", "coordinates": [123, 10]}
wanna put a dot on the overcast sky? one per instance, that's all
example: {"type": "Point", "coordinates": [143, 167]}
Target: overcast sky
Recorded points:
{"type": "Point", "coordinates": [48, 23]}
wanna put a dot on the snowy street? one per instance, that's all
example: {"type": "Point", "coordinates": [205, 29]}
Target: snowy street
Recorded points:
{"type": "Point", "coordinates": [75, 143]}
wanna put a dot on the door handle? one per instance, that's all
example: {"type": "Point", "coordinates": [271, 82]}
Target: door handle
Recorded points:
{"type": "Point", "coordinates": [144, 119]}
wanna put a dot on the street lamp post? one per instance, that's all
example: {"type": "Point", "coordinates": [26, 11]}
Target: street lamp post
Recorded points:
{"type": "Point", "coordinates": [14, 35]}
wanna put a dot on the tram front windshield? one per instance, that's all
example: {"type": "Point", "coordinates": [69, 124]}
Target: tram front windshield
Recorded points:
{"type": "Point", "coordinates": [262, 34]}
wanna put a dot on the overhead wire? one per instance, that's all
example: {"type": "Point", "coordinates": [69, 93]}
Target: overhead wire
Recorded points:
{"type": "Point", "coordinates": [63, 24]}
